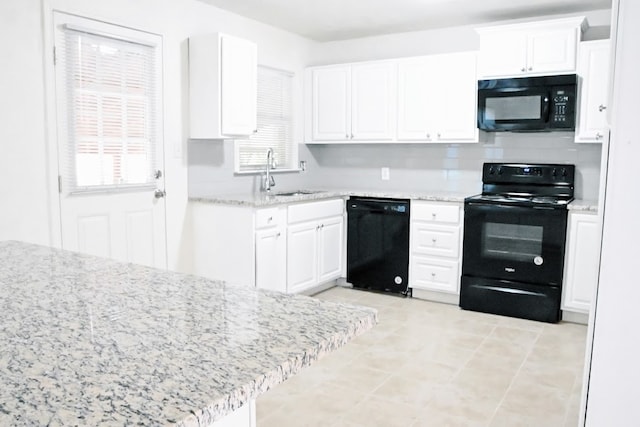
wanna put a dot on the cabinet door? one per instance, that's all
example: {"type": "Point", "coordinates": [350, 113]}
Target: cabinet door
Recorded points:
{"type": "Point", "coordinates": [373, 101]}
{"type": "Point", "coordinates": [593, 70]}
{"type": "Point", "coordinates": [502, 53]}
{"type": "Point", "coordinates": [330, 245]}
{"type": "Point", "coordinates": [238, 86]}
{"type": "Point", "coordinates": [302, 256]}
{"type": "Point", "coordinates": [434, 274]}
{"type": "Point", "coordinates": [416, 112]}
{"type": "Point", "coordinates": [582, 262]}
{"type": "Point", "coordinates": [271, 259]}
{"type": "Point", "coordinates": [455, 99]}
{"type": "Point", "coordinates": [552, 51]}
{"type": "Point", "coordinates": [331, 108]}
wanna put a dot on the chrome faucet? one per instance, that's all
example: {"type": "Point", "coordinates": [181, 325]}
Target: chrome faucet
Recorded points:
{"type": "Point", "coordinates": [268, 180]}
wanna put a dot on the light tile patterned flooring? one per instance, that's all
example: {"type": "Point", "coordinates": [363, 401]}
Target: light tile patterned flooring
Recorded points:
{"type": "Point", "coordinates": [431, 364]}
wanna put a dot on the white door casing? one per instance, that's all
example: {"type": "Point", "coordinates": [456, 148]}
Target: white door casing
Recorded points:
{"type": "Point", "coordinates": [126, 224]}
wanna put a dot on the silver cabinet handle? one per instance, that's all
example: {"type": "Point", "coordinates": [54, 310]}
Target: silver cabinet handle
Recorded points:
{"type": "Point", "coordinates": [598, 135]}
{"type": "Point", "coordinates": [351, 136]}
{"type": "Point", "coordinates": [601, 108]}
{"type": "Point", "coordinates": [159, 194]}
{"type": "Point", "coordinates": [530, 68]}
{"type": "Point", "coordinates": [158, 173]}
{"type": "Point", "coordinates": [347, 136]}
{"type": "Point", "coordinates": [438, 135]}
{"type": "Point", "coordinates": [523, 69]}
{"type": "Point", "coordinates": [270, 219]}
{"type": "Point", "coordinates": [278, 234]}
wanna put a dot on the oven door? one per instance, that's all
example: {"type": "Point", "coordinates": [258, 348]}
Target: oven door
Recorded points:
{"type": "Point", "coordinates": [513, 109]}
{"type": "Point", "coordinates": [515, 243]}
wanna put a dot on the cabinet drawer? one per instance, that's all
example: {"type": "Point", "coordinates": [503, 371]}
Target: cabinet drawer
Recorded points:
{"type": "Point", "coordinates": [434, 274]}
{"type": "Point", "coordinates": [315, 210]}
{"type": "Point", "coordinates": [270, 217]}
{"type": "Point", "coordinates": [435, 212]}
{"type": "Point", "coordinates": [434, 239]}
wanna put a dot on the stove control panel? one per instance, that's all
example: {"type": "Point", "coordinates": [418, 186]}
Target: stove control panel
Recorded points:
{"type": "Point", "coordinates": [537, 174]}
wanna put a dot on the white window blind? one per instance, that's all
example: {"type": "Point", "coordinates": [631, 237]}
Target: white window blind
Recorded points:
{"type": "Point", "coordinates": [111, 109]}
{"type": "Point", "coordinates": [275, 125]}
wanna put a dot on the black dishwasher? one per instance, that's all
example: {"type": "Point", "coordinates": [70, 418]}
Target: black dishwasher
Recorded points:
{"type": "Point", "coordinates": [378, 244]}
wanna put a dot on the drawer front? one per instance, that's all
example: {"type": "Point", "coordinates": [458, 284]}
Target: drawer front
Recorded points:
{"type": "Point", "coordinates": [434, 274]}
{"type": "Point", "coordinates": [270, 217]}
{"type": "Point", "coordinates": [315, 210]}
{"type": "Point", "coordinates": [435, 212]}
{"type": "Point", "coordinates": [434, 239]}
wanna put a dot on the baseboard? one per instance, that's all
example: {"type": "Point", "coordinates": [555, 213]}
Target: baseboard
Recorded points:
{"type": "Point", "coordinates": [574, 317]}
{"type": "Point", "coordinates": [320, 288]}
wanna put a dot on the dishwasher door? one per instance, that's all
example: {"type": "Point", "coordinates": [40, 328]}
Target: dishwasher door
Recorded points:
{"type": "Point", "coordinates": [378, 244]}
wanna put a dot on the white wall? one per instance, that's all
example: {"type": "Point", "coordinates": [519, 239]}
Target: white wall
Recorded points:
{"type": "Point", "coordinates": [454, 39]}
{"type": "Point", "coordinates": [24, 195]}
{"type": "Point", "coordinates": [25, 183]}
{"type": "Point", "coordinates": [613, 387]}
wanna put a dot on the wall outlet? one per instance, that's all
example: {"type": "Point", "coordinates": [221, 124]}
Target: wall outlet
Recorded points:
{"type": "Point", "coordinates": [384, 174]}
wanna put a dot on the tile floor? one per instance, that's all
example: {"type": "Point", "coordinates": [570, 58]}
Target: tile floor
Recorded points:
{"type": "Point", "coordinates": [431, 364]}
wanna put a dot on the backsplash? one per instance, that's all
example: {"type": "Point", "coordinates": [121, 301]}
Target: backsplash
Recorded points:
{"type": "Point", "coordinates": [413, 167]}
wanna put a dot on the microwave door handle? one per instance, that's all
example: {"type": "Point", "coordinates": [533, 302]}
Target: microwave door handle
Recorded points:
{"type": "Point", "coordinates": [546, 104]}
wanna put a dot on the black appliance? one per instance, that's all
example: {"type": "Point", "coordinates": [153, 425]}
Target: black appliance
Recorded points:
{"type": "Point", "coordinates": [545, 103]}
{"type": "Point", "coordinates": [514, 240]}
{"type": "Point", "coordinates": [378, 244]}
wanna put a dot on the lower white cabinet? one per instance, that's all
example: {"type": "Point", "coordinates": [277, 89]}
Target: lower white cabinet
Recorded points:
{"type": "Point", "coordinates": [581, 262]}
{"type": "Point", "coordinates": [271, 249]}
{"type": "Point", "coordinates": [285, 248]}
{"type": "Point", "coordinates": [435, 246]}
{"type": "Point", "coordinates": [315, 236]}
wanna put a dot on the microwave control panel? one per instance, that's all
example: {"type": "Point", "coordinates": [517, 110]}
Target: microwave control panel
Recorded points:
{"type": "Point", "coordinates": [562, 114]}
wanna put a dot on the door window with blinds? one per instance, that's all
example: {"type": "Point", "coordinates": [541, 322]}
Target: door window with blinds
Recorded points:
{"type": "Point", "coordinates": [275, 125]}
{"type": "Point", "coordinates": [108, 100]}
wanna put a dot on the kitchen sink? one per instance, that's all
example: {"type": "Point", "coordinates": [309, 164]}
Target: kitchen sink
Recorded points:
{"type": "Point", "coordinates": [296, 193]}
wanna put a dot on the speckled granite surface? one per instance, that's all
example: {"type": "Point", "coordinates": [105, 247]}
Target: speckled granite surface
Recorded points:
{"type": "Point", "coordinates": [583, 205]}
{"type": "Point", "coordinates": [89, 341]}
{"type": "Point", "coordinates": [261, 199]}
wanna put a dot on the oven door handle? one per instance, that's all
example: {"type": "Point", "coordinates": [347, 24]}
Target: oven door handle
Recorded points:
{"type": "Point", "coordinates": [509, 290]}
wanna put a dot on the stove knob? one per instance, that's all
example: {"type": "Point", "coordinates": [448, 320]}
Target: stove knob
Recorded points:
{"type": "Point", "coordinates": [491, 170]}
{"type": "Point", "coordinates": [564, 172]}
{"type": "Point", "coordinates": [500, 171]}
{"type": "Point", "coordinates": [554, 172]}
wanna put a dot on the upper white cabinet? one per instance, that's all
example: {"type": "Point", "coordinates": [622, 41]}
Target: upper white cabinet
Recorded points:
{"type": "Point", "coordinates": [593, 72]}
{"type": "Point", "coordinates": [222, 86]}
{"type": "Point", "coordinates": [353, 102]}
{"type": "Point", "coordinates": [536, 48]}
{"type": "Point", "coordinates": [581, 262]}
{"type": "Point", "coordinates": [437, 98]}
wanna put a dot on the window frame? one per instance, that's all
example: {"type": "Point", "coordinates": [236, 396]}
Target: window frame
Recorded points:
{"type": "Point", "coordinates": [66, 149]}
{"type": "Point", "coordinates": [292, 145]}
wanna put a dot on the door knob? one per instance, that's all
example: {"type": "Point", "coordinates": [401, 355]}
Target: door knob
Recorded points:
{"type": "Point", "coordinates": [601, 108]}
{"type": "Point", "coordinates": [159, 194]}
{"type": "Point", "coordinates": [157, 174]}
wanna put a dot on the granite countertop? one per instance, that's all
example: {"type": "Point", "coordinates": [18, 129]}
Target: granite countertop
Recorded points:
{"type": "Point", "coordinates": [90, 341]}
{"type": "Point", "coordinates": [262, 199]}
{"type": "Point", "coordinates": [583, 205]}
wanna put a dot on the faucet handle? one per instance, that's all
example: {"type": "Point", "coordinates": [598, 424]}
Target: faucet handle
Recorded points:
{"type": "Point", "coordinates": [272, 181]}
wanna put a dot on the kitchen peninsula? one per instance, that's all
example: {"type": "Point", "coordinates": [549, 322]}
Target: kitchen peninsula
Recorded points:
{"type": "Point", "coordinates": [91, 341]}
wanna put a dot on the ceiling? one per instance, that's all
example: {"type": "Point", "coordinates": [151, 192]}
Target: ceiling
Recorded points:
{"type": "Point", "coordinates": [327, 20]}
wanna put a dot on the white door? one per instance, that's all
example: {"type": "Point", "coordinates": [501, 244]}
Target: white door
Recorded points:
{"type": "Point", "coordinates": [302, 256]}
{"type": "Point", "coordinates": [415, 99]}
{"type": "Point", "coordinates": [552, 51]}
{"type": "Point", "coordinates": [109, 140]}
{"type": "Point", "coordinates": [502, 53]}
{"type": "Point", "coordinates": [331, 119]}
{"type": "Point", "coordinates": [373, 100]}
{"type": "Point", "coordinates": [239, 86]}
{"type": "Point", "coordinates": [330, 243]}
{"type": "Point", "coordinates": [271, 259]}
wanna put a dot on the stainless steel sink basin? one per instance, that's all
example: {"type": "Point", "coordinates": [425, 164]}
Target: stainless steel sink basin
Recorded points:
{"type": "Point", "coordinates": [295, 193]}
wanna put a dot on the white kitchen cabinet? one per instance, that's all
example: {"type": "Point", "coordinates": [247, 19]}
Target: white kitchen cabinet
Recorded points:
{"type": "Point", "coordinates": [437, 98]}
{"type": "Point", "coordinates": [222, 86]}
{"type": "Point", "coordinates": [593, 89]}
{"type": "Point", "coordinates": [271, 249]}
{"type": "Point", "coordinates": [353, 102]}
{"type": "Point", "coordinates": [435, 246]}
{"type": "Point", "coordinates": [315, 242]}
{"type": "Point", "coordinates": [581, 262]}
{"type": "Point", "coordinates": [529, 49]}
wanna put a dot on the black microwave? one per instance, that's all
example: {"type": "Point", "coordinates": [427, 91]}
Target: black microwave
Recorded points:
{"type": "Point", "coordinates": [546, 103]}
